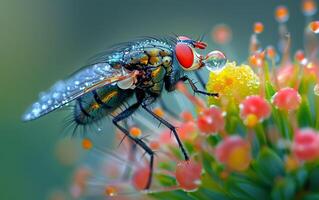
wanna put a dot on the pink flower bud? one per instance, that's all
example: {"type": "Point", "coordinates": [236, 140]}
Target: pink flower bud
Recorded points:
{"type": "Point", "coordinates": [287, 99]}
{"type": "Point", "coordinates": [187, 130]}
{"type": "Point", "coordinates": [188, 174]}
{"type": "Point", "coordinates": [234, 152]}
{"type": "Point", "coordinates": [140, 178]}
{"type": "Point", "coordinates": [306, 144]}
{"type": "Point", "coordinates": [211, 120]}
{"type": "Point", "coordinates": [254, 107]}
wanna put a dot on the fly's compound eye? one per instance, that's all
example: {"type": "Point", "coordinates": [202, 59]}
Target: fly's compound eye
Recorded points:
{"type": "Point", "coordinates": [184, 55]}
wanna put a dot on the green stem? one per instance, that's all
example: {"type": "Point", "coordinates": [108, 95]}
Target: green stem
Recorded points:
{"type": "Point", "coordinates": [317, 112]}
{"type": "Point", "coordinates": [261, 135]}
{"type": "Point", "coordinates": [287, 127]}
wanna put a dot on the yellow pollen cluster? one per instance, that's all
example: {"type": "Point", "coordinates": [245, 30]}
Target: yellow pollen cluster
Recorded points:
{"type": "Point", "coordinates": [233, 83]}
{"type": "Point", "coordinates": [251, 120]}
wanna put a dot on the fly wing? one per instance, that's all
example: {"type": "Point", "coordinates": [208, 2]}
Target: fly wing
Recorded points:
{"type": "Point", "coordinates": [64, 91]}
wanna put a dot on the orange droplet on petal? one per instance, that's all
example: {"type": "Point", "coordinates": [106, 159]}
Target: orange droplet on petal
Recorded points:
{"type": "Point", "coordinates": [309, 7]}
{"type": "Point", "coordinates": [159, 112]}
{"type": "Point", "coordinates": [154, 145]}
{"type": "Point", "coordinates": [256, 60]}
{"type": "Point", "coordinates": [110, 191]}
{"type": "Point", "coordinates": [135, 132]}
{"type": "Point", "coordinates": [281, 14]}
{"type": "Point", "coordinates": [271, 52]}
{"type": "Point", "coordinates": [258, 27]}
{"type": "Point", "coordinates": [300, 57]}
{"type": "Point", "coordinates": [87, 144]}
{"type": "Point", "coordinates": [187, 116]}
{"type": "Point", "coordinates": [314, 26]}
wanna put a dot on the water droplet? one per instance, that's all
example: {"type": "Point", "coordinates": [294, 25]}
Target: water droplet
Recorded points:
{"type": "Point", "coordinates": [215, 60]}
{"type": "Point", "coordinates": [99, 129]}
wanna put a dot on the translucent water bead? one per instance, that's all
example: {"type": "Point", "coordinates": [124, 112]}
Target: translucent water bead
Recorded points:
{"type": "Point", "coordinates": [215, 61]}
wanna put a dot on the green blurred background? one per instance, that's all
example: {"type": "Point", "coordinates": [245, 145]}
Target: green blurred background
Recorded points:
{"type": "Point", "coordinates": [42, 41]}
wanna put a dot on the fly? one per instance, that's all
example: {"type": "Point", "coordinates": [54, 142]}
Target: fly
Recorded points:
{"type": "Point", "coordinates": [143, 68]}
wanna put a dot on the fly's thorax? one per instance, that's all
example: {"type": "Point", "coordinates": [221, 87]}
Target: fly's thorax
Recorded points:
{"type": "Point", "coordinates": [174, 74]}
{"type": "Point", "coordinates": [148, 56]}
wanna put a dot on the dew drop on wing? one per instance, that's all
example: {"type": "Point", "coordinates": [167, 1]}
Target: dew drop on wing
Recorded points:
{"type": "Point", "coordinates": [215, 61]}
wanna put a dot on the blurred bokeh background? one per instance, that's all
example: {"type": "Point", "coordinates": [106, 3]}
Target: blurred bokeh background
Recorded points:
{"type": "Point", "coordinates": [42, 41]}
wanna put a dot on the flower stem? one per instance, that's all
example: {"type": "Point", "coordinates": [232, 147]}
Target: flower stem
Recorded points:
{"type": "Point", "coordinates": [261, 135]}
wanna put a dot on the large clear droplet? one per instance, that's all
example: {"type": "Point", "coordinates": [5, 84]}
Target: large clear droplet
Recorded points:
{"type": "Point", "coordinates": [215, 61]}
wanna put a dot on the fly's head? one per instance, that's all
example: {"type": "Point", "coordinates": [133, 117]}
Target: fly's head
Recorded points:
{"type": "Point", "coordinates": [185, 52]}
{"type": "Point", "coordinates": [189, 59]}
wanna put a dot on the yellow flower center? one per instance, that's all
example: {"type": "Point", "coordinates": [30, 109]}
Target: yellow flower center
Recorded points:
{"type": "Point", "coordinates": [233, 83]}
{"type": "Point", "coordinates": [239, 159]}
{"type": "Point", "coordinates": [251, 120]}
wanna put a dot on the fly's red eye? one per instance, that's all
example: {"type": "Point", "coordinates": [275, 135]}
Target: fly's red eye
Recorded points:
{"type": "Point", "coordinates": [184, 55]}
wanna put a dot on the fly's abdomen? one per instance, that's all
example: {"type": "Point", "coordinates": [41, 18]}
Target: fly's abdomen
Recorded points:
{"type": "Point", "coordinates": [99, 103]}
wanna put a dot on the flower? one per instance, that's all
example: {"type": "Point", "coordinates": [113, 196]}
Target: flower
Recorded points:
{"type": "Point", "coordinates": [253, 109]}
{"type": "Point", "coordinates": [233, 83]}
{"type": "Point", "coordinates": [79, 183]}
{"type": "Point", "coordinates": [186, 116]}
{"type": "Point", "coordinates": [140, 177]}
{"type": "Point", "coordinates": [287, 99]}
{"type": "Point", "coordinates": [286, 75]}
{"type": "Point", "coordinates": [211, 120]}
{"type": "Point", "coordinates": [306, 144]}
{"type": "Point", "coordinates": [187, 130]}
{"type": "Point", "coordinates": [188, 174]}
{"type": "Point", "coordinates": [234, 152]}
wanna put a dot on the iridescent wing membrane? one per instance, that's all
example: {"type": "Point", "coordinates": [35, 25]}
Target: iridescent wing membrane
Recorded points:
{"type": "Point", "coordinates": [93, 76]}
{"type": "Point", "coordinates": [64, 91]}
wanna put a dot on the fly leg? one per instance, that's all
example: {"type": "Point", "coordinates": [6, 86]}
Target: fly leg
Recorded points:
{"type": "Point", "coordinates": [171, 127]}
{"type": "Point", "coordinates": [131, 156]}
{"type": "Point", "coordinates": [123, 115]}
{"type": "Point", "coordinates": [195, 89]}
{"type": "Point", "coordinates": [200, 79]}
